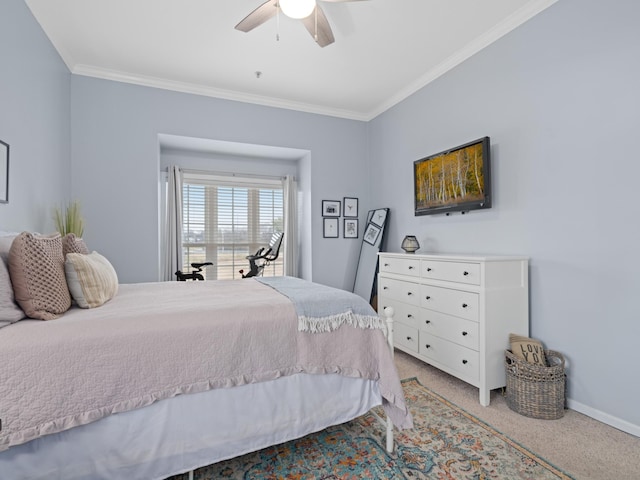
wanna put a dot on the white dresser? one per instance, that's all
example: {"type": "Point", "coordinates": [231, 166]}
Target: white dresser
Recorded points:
{"type": "Point", "coordinates": [456, 312]}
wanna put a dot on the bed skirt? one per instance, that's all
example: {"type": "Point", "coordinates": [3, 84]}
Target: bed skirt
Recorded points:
{"type": "Point", "coordinates": [189, 431]}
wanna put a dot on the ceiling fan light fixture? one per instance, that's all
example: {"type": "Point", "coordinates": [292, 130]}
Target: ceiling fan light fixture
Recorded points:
{"type": "Point", "coordinates": [297, 8]}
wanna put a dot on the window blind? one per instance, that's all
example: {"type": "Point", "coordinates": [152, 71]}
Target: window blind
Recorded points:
{"type": "Point", "coordinates": [226, 218]}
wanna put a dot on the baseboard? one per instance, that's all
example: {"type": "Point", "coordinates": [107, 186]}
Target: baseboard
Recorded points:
{"type": "Point", "coordinates": [604, 417]}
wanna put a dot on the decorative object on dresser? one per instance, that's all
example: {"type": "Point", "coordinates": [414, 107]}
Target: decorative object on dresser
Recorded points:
{"type": "Point", "coordinates": [456, 312]}
{"type": "Point", "coordinates": [410, 244]}
{"type": "Point", "coordinates": [456, 180]}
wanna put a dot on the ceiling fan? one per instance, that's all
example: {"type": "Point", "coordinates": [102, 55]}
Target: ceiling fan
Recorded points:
{"type": "Point", "coordinates": [308, 11]}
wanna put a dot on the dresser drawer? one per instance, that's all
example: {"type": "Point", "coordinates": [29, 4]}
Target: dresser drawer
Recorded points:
{"type": "Point", "coordinates": [457, 330]}
{"type": "Point", "coordinates": [464, 361]}
{"type": "Point", "coordinates": [452, 302]}
{"type": "Point", "coordinates": [400, 266]}
{"type": "Point", "coordinates": [405, 292]}
{"type": "Point", "coordinates": [403, 312]}
{"type": "Point", "coordinates": [405, 336]}
{"type": "Point", "coordinates": [458, 272]}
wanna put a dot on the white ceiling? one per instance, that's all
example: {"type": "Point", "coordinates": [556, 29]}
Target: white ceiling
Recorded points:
{"type": "Point", "coordinates": [384, 50]}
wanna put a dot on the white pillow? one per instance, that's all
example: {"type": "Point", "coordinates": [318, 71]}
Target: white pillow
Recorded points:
{"type": "Point", "coordinates": [92, 280]}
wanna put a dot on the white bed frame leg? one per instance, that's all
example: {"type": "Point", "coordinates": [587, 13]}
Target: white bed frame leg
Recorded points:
{"type": "Point", "coordinates": [388, 313]}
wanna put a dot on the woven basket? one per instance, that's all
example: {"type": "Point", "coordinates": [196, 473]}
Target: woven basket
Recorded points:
{"type": "Point", "coordinates": [533, 390]}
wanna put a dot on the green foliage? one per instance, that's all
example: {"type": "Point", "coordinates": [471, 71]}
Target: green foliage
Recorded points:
{"type": "Point", "coordinates": [70, 220]}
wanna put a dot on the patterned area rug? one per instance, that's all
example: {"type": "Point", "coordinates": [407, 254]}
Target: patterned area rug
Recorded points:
{"type": "Point", "coordinates": [446, 443]}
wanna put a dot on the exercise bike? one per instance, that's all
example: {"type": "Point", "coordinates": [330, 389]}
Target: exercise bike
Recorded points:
{"type": "Point", "coordinates": [195, 274]}
{"type": "Point", "coordinates": [263, 256]}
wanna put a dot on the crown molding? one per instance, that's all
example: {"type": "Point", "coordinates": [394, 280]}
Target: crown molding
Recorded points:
{"type": "Point", "coordinates": [204, 90]}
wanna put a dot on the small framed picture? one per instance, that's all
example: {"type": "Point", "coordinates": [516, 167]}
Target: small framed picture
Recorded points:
{"type": "Point", "coordinates": [330, 228]}
{"type": "Point", "coordinates": [379, 216]}
{"type": "Point", "coordinates": [350, 207]}
{"type": "Point", "coordinates": [330, 208]}
{"type": "Point", "coordinates": [350, 229]}
{"type": "Point", "coordinates": [371, 234]}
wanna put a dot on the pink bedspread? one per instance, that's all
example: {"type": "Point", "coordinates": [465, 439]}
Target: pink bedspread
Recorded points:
{"type": "Point", "coordinates": [157, 340]}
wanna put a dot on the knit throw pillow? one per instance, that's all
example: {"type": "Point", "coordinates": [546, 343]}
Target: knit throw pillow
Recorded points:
{"type": "Point", "coordinates": [36, 266]}
{"type": "Point", "coordinates": [73, 244]}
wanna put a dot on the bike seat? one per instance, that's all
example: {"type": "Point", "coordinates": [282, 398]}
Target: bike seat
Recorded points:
{"type": "Point", "coordinates": [200, 265]}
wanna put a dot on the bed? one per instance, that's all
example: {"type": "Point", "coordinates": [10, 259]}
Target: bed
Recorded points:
{"type": "Point", "coordinates": [167, 377]}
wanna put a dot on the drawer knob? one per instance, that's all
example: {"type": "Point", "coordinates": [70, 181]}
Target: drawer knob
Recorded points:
{"type": "Point", "coordinates": [409, 338]}
{"type": "Point", "coordinates": [386, 264]}
{"type": "Point", "coordinates": [409, 293]}
{"type": "Point", "coordinates": [409, 315]}
{"type": "Point", "coordinates": [428, 297]}
{"type": "Point", "coordinates": [464, 334]}
{"type": "Point", "coordinates": [385, 288]}
{"type": "Point", "coordinates": [428, 269]}
{"type": "Point", "coordinates": [427, 346]}
{"type": "Point", "coordinates": [427, 322]}
{"type": "Point", "coordinates": [464, 305]}
{"type": "Point", "coordinates": [465, 273]}
{"type": "Point", "coordinates": [464, 362]}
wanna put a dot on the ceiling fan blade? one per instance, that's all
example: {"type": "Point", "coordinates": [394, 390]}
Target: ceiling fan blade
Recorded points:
{"type": "Point", "coordinates": [260, 15]}
{"type": "Point", "coordinates": [323, 36]}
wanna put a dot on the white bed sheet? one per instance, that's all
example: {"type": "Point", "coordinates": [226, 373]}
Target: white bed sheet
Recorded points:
{"type": "Point", "coordinates": [189, 431]}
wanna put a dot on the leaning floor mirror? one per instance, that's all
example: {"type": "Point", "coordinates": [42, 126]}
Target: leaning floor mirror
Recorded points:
{"type": "Point", "coordinates": [372, 242]}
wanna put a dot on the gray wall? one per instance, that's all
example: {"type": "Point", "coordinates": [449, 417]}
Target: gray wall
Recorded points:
{"type": "Point", "coordinates": [116, 165]}
{"type": "Point", "coordinates": [34, 121]}
{"type": "Point", "coordinates": [560, 99]}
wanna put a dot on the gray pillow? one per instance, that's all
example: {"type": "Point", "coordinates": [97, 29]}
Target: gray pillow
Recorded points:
{"type": "Point", "coordinates": [10, 312]}
{"type": "Point", "coordinates": [6, 239]}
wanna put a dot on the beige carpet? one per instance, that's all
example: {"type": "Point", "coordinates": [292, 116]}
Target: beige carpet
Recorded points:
{"type": "Point", "coordinates": [580, 445]}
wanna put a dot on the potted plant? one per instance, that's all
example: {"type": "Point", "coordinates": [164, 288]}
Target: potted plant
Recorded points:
{"type": "Point", "coordinates": [70, 220]}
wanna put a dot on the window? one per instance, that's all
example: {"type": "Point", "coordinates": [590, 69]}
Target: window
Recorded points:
{"type": "Point", "coordinates": [224, 219]}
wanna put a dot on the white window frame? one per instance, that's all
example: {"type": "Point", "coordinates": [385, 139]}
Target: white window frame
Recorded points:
{"type": "Point", "coordinates": [211, 221]}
